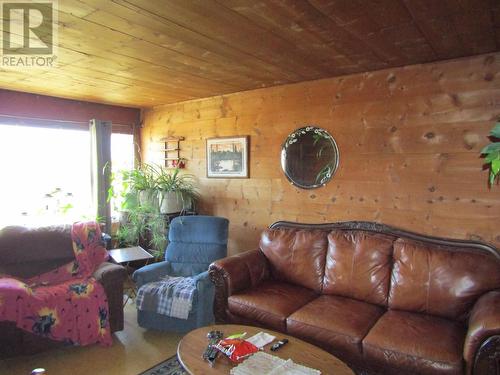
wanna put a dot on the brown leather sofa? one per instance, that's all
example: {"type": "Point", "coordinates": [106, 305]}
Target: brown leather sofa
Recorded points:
{"type": "Point", "coordinates": [386, 301]}
{"type": "Point", "coordinates": [28, 252]}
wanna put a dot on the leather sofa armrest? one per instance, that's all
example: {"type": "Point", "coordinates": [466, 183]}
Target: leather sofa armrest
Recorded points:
{"type": "Point", "coordinates": [236, 273]}
{"type": "Point", "coordinates": [109, 273]}
{"type": "Point", "coordinates": [482, 342]}
{"type": "Point", "coordinates": [112, 276]}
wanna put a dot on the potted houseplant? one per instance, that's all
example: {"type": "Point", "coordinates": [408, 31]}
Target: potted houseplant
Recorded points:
{"type": "Point", "coordinates": [492, 154]}
{"type": "Point", "coordinates": [140, 183]}
{"type": "Point", "coordinates": [144, 225]}
{"type": "Point", "coordinates": [177, 191]}
{"type": "Point", "coordinates": [149, 192]}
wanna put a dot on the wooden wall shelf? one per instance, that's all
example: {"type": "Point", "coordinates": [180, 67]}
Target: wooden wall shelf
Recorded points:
{"type": "Point", "coordinates": [172, 150]}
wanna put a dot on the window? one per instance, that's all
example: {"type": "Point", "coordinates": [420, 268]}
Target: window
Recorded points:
{"type": "Point", "coordinates": [46, 174]}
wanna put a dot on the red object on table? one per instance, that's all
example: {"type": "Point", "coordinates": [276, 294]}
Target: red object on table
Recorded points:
{"type": "Point", "coordinates": [236, 349]}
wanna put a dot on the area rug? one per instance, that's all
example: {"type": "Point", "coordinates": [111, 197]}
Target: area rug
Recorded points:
{"type": "Point", "coordinates": [170, 366]}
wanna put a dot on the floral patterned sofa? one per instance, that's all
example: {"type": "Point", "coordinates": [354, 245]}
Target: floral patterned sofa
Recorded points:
{"type": "Point", "coordinates": [26, 253]}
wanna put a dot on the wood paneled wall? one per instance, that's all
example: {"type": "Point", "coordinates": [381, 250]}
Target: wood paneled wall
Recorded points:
{"type": "Point", "coordinates": [409, 141]}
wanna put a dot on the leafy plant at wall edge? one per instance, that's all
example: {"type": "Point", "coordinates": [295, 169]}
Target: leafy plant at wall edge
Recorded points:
{"type": "Point", "coordinates": [492, 154]}
{"type": "Point", "coordinates": [143, 191]}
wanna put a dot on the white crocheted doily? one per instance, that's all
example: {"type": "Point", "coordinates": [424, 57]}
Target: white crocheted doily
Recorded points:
{"type": "Point", "coordinates": [266, 364]}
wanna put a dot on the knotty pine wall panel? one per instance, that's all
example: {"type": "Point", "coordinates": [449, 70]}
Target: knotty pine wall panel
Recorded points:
{"type": "Point", "coordinates": [409, 141]}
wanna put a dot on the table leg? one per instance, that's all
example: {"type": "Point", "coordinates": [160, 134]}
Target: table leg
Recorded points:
{"type": "Point", "coordinates": [131, 287]}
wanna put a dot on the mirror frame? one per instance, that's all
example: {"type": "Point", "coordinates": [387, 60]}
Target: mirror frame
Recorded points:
{"type": "Point", "coordinates": [292, 138]}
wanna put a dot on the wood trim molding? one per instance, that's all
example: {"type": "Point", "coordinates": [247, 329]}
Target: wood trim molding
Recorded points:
{"type": "Point", "coordinates": [22, 108]}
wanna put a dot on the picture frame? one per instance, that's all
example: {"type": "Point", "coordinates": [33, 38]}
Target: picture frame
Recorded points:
{"type": "Point", "coordinates": [227, 157]}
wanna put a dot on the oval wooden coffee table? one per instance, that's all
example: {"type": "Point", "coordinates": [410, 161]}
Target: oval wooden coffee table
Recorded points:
{"type": "Point", "coordinates": [192, 346]}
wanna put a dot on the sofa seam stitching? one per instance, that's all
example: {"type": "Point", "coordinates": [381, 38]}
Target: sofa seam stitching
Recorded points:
{"type": "Point", "coordinates": [270, 313]}
{"type": "Point", "coordinates": [309, 325]}
{"type": "Point", "coordinates": [409, 355]}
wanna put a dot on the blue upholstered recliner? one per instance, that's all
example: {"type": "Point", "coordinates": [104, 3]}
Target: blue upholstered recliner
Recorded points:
{"type": "Point", "coordinates": [194, 243]}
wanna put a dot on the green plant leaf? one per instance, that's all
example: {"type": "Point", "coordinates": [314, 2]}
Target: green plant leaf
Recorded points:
{"type": "Point", "coordinates": [64, 209]}
{"type": "Point", "coordinates": [492, 156]}
{"type": "Point", "coordinates": [492, 177]}
{"type": "Point", "coordinates": [491, 147]}
{"type": "Point", "coordinates": [495, 132]}
{"type": "Point", "coordinates": [142, 193]}
{"type": "Point", "coordinates": [495, 166]}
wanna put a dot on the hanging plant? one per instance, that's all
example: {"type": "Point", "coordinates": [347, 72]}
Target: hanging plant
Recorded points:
{"type": "Point", "coordinates": [492, 154]}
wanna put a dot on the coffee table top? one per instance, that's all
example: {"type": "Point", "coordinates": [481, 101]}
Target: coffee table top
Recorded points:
{"type": "Point", "coordinates": [129, 254]}
{"type": "Point", "coordinates": [192, 346]}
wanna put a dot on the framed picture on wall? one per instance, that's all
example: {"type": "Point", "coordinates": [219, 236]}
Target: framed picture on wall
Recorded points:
{"type": "Point", "coordinates": [227, 157]}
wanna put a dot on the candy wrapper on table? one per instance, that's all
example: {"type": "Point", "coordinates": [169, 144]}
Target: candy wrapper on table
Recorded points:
{"type": "Point", "coordinates": [236, 349]}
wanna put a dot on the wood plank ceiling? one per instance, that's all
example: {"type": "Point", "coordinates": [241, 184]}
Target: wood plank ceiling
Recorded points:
{"type": "Point", "coordinates": [143, 53]}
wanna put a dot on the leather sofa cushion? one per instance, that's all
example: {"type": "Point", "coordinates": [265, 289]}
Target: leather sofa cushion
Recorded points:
{"type": "Point", "coordinates": [401, 342]}
{"type": "Point", "coordinates": [358, 265]}
{"type": "Point", "coordinates": [296, 256]}
{"type": "Point", "coordinates": [26, 252]}
{"type": "Point", "coordinates": [270, 303]}
{"type": "Point", "coordinates": [435, 281]}
{"type": "Point", "coordinates": [338, 324]}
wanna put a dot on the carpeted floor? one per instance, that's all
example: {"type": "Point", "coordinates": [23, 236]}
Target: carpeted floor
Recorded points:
{"type": "Point", "coordinates": [169, 367]}
{"type": "Point", "coordinates": [134, 350]}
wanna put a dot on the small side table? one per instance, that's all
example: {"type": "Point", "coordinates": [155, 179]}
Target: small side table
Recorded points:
{"type": "Point", "coordinates": [124, 256]}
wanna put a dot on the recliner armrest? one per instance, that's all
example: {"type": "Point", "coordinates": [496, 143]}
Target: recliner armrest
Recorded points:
{"type": "Point", "coordinates": [205, 299]}
{"type": "Point", "coordinates": [151, 272]}
{"type": "Point", "coordinates": [201, 277]}
{"type": "Point", "coordinates": [236, 273]}
{"type": "Point", "coordinates": [484, 323]}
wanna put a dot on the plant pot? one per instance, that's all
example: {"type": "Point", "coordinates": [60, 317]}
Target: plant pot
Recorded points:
{"type": "Point", "coordinates": [148, 198]}
{"type": "Point", "coordinates": [171, 202]}
{"type": "Point", "coordinates": [143, 197]}
{"type": "Point", "coordinates": [122, 217]}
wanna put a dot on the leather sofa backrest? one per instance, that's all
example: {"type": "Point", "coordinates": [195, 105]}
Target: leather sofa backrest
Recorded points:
{"type": "Point", "coordinates": [358, 265]}
{"type": "Point", "coordinates": [383, 265]}
{"type": "Point", "coordinates": [296, 256]}
{"type": "Point", "coordinates": [26, 252]}
{"type": "Point", "coordinates": [440, 281]}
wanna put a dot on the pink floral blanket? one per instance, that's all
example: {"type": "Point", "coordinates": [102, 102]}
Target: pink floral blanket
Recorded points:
{"type": "Point", "coordinates": [67, 303]}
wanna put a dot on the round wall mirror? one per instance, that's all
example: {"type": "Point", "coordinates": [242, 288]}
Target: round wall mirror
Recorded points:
{"type": "Point", "coordinates": [309, 157]}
